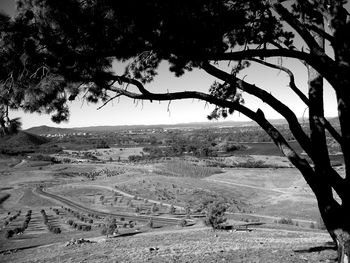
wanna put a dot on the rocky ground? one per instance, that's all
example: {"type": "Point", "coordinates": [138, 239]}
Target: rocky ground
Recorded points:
{"type": "Point", "coordinates": [188, 245]}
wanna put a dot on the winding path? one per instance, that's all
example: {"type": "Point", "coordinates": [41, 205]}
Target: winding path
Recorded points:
{"type": "Point", "coordinates": [140, 218]}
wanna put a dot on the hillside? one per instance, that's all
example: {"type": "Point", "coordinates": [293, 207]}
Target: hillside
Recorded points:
{"type": "Point", "coordinates": [22, 139]}
{"type": "Point", "coordinates": [43, 130]}
{"type": "Point", "coordinates": [24, 142]}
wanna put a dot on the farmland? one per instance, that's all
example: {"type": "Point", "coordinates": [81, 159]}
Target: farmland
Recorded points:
{"type": "Point", "coordinates": [53, 197]}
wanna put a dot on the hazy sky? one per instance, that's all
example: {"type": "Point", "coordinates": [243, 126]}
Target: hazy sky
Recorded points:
{"type": "Point", "coordinates": [126, 111]}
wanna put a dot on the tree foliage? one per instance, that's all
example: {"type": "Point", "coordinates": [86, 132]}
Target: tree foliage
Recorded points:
{"type": "Point", "coordinates": [51, 53]}
{"type": "Point", "coordinates": [215, 215]}
{"type": "Point", "coordinates": [110, 226]}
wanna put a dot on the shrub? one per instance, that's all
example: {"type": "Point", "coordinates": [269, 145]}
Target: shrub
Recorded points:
{"type": "Point", "coordinates": [172, 210]}
{"type": "Point", "coordinates": [150, 223]}
{"type": "Point", "coordinates": [25, 225]}
{"type": "Point", "coordinates": [215, 216]}
{"type": "Point", "coordinates": [154, 208]}
{"type": "Point", "coordinates": [70, 222]}
{"type": "Point", "coordinates": [56, 230]}
{"type": "Point", "coordinates": [18, 230]}
{"type": "Point", "coordinates": [286, 221]}
{"type": "Point", "coordinates": [104, 231]}
{"type": "Point", "coordinates": [86, 227]}
{"type": "Point", "coordinates": [9, 233]}
{"type": "Point", "coordinates": [183, 223]}
{"type": "Point", "coordinates": [91, 221]}
{"type": "Point", "coordinates": [110, 226]}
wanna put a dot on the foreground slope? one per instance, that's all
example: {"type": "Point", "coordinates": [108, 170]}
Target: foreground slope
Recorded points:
{"type": "Point", "coordinates": [189, 245]}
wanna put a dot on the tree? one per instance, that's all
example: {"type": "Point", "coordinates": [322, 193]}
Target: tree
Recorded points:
{"type": "Point", "coordinates": [110, 226]}
{"type": "Point", "coordinates": [53, 52]}
{"type": "Point", "coordinates": [215, 215]}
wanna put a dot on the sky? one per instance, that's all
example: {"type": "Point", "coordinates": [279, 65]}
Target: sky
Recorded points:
{"type": "Point", "coordinates": [128, 112]}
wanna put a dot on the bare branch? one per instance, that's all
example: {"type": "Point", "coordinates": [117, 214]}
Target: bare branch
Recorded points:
{"type": "Point", "coordinates": [303, 97]}
{"type": "Point", "coordinates": [291, 78]}
{"type": "Point", "coordinates": [266, 97]}
{"type": "Point", "coordinates": [104, 104]}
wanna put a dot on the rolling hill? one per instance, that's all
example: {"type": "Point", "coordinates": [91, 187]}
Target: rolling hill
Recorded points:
{"type": "Point", "coordinates": [22, 140]}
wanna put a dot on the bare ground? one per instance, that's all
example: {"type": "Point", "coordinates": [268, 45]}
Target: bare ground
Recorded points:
{"type": "Point", "coordinates": [194, 245]}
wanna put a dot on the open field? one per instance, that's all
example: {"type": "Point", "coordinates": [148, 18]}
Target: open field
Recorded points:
{"type": "Point", "coordinates": [149, 189]}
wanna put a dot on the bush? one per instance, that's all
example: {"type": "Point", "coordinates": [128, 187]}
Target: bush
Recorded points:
{"type": "Point", "coordinates": [56, 230]}
{"type": "Point", "coordinates": [9, 233]}
{"type": "Point", "coordinates": [285, 221]}
{"type": "Point", "coordinates": [18, 230]}
{"type": "Point", "coordinates": [110, 226]}
{"type": "Point", "coordinates": [172, 210]}
{"type": "Point", "coordinates": [25, 225]}
{"type": "Point", "coordinates": [150, 223]}
{"type": "Point", "coordinates": [70, 222]}
{"type": "Point", "coordinates": [215, 216]}
{"type": "Point", "coordinates": [183, 223]}
{"type": "Point", "coordinates": [86, 227]}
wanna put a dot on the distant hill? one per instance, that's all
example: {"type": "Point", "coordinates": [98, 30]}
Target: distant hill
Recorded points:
{"type": "Point", "coordinates": [43, 130]}
{"type": "Point", "coordinates": [23, 140]}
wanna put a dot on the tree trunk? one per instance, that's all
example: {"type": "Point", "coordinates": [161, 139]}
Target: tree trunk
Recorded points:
{"type": "Point", "coordinates": [343, 247]}
{"type": "Point", "coordinates": [337, 221]}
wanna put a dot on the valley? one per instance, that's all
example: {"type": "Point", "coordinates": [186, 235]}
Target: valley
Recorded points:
{"type": "Point", "coordinates": [151, 192]}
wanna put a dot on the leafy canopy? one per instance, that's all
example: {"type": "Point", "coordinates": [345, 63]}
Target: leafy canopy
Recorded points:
{"type": "Point", "coordinates": [53, 52]}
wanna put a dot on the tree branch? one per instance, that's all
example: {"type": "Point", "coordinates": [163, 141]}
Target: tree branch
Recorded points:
{"type": "Point", "coordinates": [298, 27]}
{"type": "Point", "coordinates": [302, 96]}
{"type": "Point", "coordinates": [297, 131]}
{"type": "Point", "coordinates": [258, 117]}
{"type": "Point", "coordinates": [321, 33]}
{"type": "Point", "coordinates": [106, 102]}
{"type": "Point", "coordinates": [292, 85]}
{"type": "Point", "coordinates": [266, 97]}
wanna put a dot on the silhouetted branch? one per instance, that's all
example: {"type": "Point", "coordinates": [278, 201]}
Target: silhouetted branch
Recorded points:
{"type": "Point", "coordinates": [106, 102]}
{"type": "Point", "coordinates": [266, 97]}
{"type": "Point", "coordinates": [302, 96]}
{"type": "Point", "coordinates": [321, 33]}
{"type": "Point", "coordinates": [258, 117]}
{"type": "Point", "coordinates": [298, 27]}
